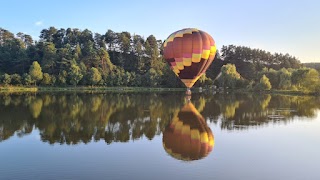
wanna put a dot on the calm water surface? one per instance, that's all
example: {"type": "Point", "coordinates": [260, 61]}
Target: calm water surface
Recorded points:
{"type": "Point", "coordinates": [159, 136]}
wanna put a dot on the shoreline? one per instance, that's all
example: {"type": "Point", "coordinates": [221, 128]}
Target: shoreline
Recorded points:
{"type": "Point", "coordinates": [21, 89]}
{"type": "Point", "coordinates": [14, 89]}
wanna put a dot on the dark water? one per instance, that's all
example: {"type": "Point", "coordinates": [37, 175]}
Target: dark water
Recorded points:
{"type": "Point", "coordinates": [159, 136]}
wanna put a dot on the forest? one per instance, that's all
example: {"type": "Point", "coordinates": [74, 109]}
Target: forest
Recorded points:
{"type": "Point", "coordinates": [74, 57]}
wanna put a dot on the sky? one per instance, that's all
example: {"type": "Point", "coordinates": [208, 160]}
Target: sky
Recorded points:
{"type": "Point", "coordinates": [284, 26]}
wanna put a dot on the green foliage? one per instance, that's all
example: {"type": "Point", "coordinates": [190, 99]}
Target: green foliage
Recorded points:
{"type": "Point", "coordinates": [305, 79]}
{"type": "Point", "coordinates": [127, 79]}
{"type": "Point", "coordinates": [115, 78]}
{"type": "Point", "coordinates": [285, 79]}
{"type": "Point", "coordinates": [6, 79]}
{"type": "Point", "coordinates": [46, 79]}
{"type": "Point", "coordinates": [204, 81]}
{"type": "Point", "coordinates": [49, 59]}
{"type": "Point", "coordinates": [53, 80]}
{"type": "Point", "coordinates": [297, 76]}
{"type": "Point", "coordinates": [272, 75]}
{"type": "Point", "coordinates": [94, 76]}
{"type": "Point", "coordinates": [313, 65]}
{"type": "Point", "coordinates": [311, 80]}
{"type": "Point", "coordinates": [26, 79]}
{"type": "Point", "coordinates": [229, 76]}
{"type": "Point", "coordinates": [75, 74]}
{"type": "Point", "coordinates": [67, 57]}
{"type": "Point", "coordinates": [152, 78]}
{"type": "Point", "coordinates": [250, 62]}
{"type": "Point", "coordinates": [16, 79]}
{"type": "Point", "coordinates": [62, 78]}
{"type": "Point", "coordinates": [35, 72]}
{"type": "Point", "coordinates": [264, 84]}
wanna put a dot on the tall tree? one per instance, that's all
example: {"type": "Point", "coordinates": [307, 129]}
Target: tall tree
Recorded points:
{"type": "Point", "coordinates": [26, 39]}
{"type": "Point", "coordinates": [5, 36]}
{"type": "Point", "coordinates": [99, 41]}
{"type": "Point", "coordinates": [35, 72]}
{"type": "Point", "coordinates": [49, 57]}
{"type": "Point", "coordinates": [58, 38]}
{"type": "Point", "coordinates": [47, 35]}
{"type": "Point", "coordinates": [125, 42]}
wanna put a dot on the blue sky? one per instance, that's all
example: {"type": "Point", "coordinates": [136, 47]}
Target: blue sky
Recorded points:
{"type": "Point", "coordinates": [275, 25]}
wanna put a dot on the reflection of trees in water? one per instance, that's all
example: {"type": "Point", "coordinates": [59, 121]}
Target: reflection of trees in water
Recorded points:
{"type": "Point", "coordinates": [115, 117]}
{"type": "Point", "coordinates": [74, 118]}
{"type": "Point", "coordinates": [13, 120]}
{"type": "Point", "coordinates": [36, 107]}
{"type": "Point", "coordinates": [305, 106]}
{"type": "Point", "coordinates": [251, 110]}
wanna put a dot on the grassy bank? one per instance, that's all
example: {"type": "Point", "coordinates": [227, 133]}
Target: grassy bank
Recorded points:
{"type": "Point", "coordinates": [13, 89]}
{"type": "Point", "coordinates": [86, 89]}
{"type": "Point", "coordinates": [18, 89]}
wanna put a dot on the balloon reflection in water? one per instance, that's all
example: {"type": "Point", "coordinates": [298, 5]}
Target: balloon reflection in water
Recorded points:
{"type": "Point", "coordinates": [188, 137]}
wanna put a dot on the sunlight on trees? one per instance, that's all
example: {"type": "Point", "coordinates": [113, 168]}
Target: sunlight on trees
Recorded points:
{"type": "Point", "coordinates": [71, 57]}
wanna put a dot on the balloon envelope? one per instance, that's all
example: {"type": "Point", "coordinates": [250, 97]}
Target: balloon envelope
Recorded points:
{"type": "Point", "coordinates": [189, 52]}
{"type": "Point", "coordinates": [188, 137]}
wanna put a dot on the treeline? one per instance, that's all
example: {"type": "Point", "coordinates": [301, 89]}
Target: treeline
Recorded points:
{"type": "Point", "coordinates": [74, 57]}
{"type": "Point", "coordinates": [301, 79]}
{"type": "Point", "coordinates": [258, 70]}
{"type": "Point", "coordinates": [63, 57]}
{"type": "Point", "coordinates": [313, 65]}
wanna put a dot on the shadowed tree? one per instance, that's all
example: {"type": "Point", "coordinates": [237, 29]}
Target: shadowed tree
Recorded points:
{"type": "Point", "coordinates": [46, 79]}
{"type": "Point", "coordinates": [94, 76]}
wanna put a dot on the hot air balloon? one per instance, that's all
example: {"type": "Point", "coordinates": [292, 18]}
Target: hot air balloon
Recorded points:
{"type": "Point", "coordinates": [189, 52]}
{"type": "Point", "coordinates": [188, 137]}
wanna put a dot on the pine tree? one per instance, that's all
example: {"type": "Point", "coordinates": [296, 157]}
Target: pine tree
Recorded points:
{"type": "Point", "coordinates": [35, 72]}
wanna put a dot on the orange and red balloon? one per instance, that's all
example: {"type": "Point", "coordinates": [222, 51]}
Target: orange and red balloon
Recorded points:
{"type": "Point", "coordinates": [189, 52]}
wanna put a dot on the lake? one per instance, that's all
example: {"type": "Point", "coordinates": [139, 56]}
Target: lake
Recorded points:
{"type": "Point", "coordinates": [159, 136]}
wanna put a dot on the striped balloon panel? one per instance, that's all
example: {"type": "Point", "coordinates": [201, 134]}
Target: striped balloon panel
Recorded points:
{"type": "Point", "coordinates": [189, 53]}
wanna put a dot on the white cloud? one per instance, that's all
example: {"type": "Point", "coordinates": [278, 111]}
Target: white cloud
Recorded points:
{"type": "Point", "coordinates": [38, 23]}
